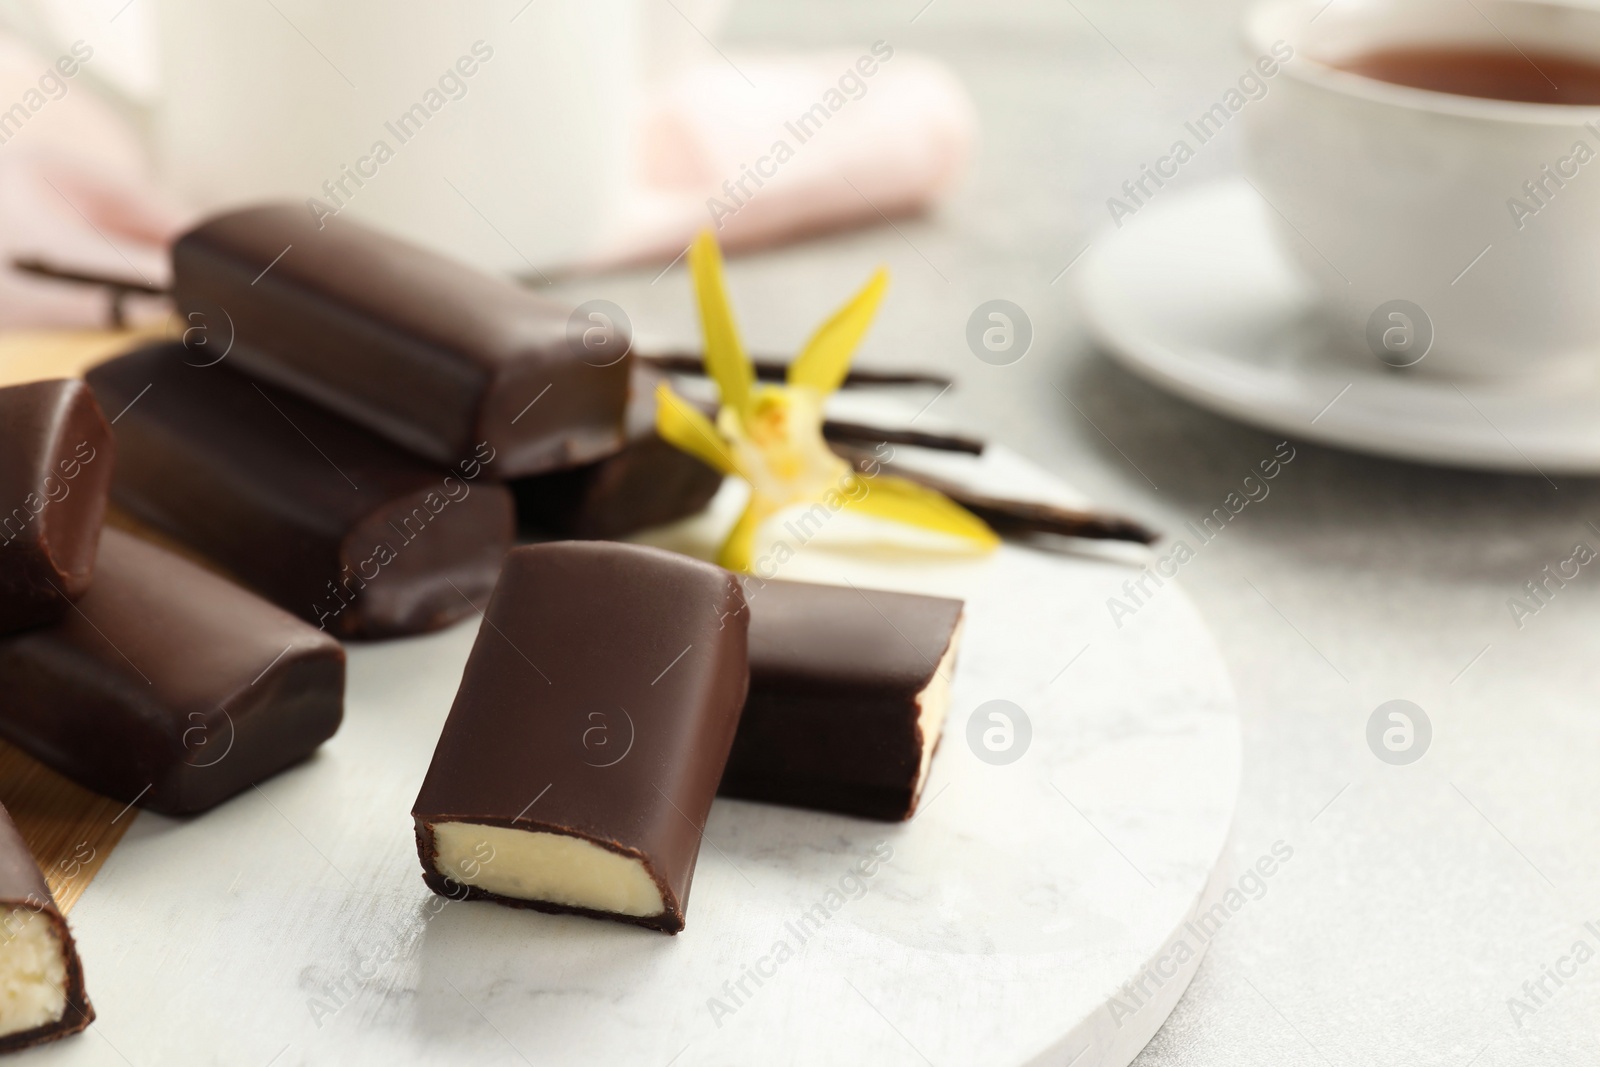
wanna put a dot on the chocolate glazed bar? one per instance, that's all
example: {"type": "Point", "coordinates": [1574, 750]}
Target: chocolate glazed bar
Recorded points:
{"type": "Point", "coordinates": [168, 686]}
{"type": "Point", "coordinates": [578, 764]}
{"type": "Point", "coordinates": [418, 348]}
{"type": "Point", "coordinates": [55, 467]}
{"type": "Point", "coordinates": [848, 692]}
{"type": "Point", "coordinates": [324, 519]}
{"type": "Point", "coordinates": [41, 981]}
{"type": "Point", "coordinates": [647, 483]}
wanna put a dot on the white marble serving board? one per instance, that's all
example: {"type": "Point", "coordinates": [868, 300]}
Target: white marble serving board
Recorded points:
{"type": "Point", "coordinates": [291, 925]}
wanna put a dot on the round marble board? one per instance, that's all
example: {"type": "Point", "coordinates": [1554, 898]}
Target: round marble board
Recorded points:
{"type": "Point", "coordinates": [1033, 911]}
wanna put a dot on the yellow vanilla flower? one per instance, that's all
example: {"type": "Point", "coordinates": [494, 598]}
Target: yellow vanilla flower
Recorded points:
{"type": "Point", "coordinates": [771, 435]}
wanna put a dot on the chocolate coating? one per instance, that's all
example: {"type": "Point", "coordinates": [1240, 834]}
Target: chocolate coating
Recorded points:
{"type": "Point", "coordinates": [169, 686]}
{"type": "Point", "coordinates": [416, 347]}
{"type": "Point", "coordinates": [831, 721]}
{"type": "Point", "coordinates": [583, 628]}
{"type": "Point", "coordinates": [647, 483]}
{"type": "Point", "coordinates": [22, 885]}
{"type": "Point", "coordinates": [55, 469]}
{"type": "Point", "coordinates": [321, 517]}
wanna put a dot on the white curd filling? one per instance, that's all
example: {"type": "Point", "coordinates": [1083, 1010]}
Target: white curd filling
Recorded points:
{"type": "Point", "coordinates": [33, 972]}
{"type": "Point", "coordinates": [933, 703]}
{"type": "Point", "coordinates": [538, 865]}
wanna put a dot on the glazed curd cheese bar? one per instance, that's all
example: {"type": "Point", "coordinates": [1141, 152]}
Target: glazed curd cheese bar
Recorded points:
{"type": "Point", "coordinates": [414, 346]}
{"type": "Point", "coordinates": [168, 686]}
{"type": "Point", "coordinates": [328, 521]}
{"type": "Point", "coordinates": [55, 470]}
{"type": "Point", "coordinates": [41, 980]}
{"type": "Point", "coordinates": [578, 764]}
{"type": "Point", "coordinates": [849, 689]}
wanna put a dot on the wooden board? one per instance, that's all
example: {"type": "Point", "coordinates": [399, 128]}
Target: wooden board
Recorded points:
{"type": "Point", "coordinates": [69, 830]}
{"type": "Point", "coordinates": [33, 355]}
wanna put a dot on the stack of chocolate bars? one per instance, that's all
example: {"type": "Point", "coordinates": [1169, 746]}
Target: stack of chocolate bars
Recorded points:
{"type": "Point", "coordinates": [338, 429]}
{"type": "Point", "coordinates": [126, 668]}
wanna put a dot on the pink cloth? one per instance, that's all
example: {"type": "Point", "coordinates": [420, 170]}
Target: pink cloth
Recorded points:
{"type": "Point", "coordinates": [766, 150]}
{"type": "Point", "coordinates": [74, 191]}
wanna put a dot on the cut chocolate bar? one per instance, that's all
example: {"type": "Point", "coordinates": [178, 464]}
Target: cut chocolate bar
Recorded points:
{"type": "Point", "coordinates": [55, 468]}
{"type": "Point", "coordinates": [578, 764]}
{"type": "Point", "coordinates": [324, 519]}
{"type": "Point", "coordinates": [418, 348]}
{"type": "Point", "coordinates": [647, 483]}
{"type": "Point", "coordinates": [168, 686]}
{"type": "Point", "coordinates": [41, 981]}
{"type": "Point", "coordinates": [848, 692]}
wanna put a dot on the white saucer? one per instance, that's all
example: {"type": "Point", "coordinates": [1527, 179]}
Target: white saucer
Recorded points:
{"type": "Point", "coordinates": [1193, 294]}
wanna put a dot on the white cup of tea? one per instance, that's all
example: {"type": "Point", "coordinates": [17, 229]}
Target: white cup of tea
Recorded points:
{"type": "Point", "coordinates": [1451, 224]}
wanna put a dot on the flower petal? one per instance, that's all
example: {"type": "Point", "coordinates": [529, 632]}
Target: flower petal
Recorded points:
{"type": "Point", "coordinates": [898, 500]}
{"type": "Point", "coordinates": [682, 426]}
{"type": "Point", "coordinates": [825, 360]}
{"type": "Point", "coordinates": [726, 361]}
{"type": "Point", "coordinates": [737, 551]}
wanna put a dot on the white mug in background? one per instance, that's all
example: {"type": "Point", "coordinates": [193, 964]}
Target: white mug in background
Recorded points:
{"type": "Point", "coordinates": [494, 132]}
{"type": "Point", "coordinates": [1399, 202]}
{"type": "Point", "coordinates": [498, 132]}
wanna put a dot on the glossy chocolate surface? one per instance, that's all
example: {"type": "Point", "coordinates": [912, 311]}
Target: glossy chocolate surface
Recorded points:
{"type": "Point", "coordinates": [831, 719]}
{"type": "Point", "coordinates": [326, 520]}
{"type": "Point", "coordinates": [600, 701]}
{"type": "Point", "coordinates": [647, 483]}
{"type": "Point", "coordinates": [414, 346]}
{"type": "Point", "coordinates": [55, 469]}
{"type": "Point", "coordinates": [22, 886]}
{"type": "Point", "coordinates": [168, 686]}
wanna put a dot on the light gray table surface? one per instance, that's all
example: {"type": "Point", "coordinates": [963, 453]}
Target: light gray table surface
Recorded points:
{"type": "Point", "coordinates": [1420, 898]}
